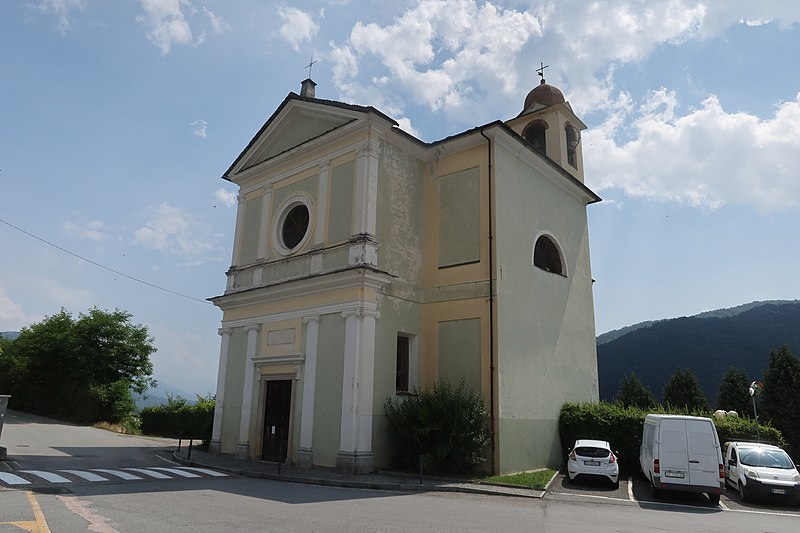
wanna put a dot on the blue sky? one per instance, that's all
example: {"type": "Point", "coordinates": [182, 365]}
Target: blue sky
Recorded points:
{"type": "Point", "coordinates": [117, 120]}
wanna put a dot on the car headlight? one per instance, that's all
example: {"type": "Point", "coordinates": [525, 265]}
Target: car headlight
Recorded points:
{"type": "Point", "coordinates": [796, 478]}
{"type": "Point", "coordinates": [752, 474]}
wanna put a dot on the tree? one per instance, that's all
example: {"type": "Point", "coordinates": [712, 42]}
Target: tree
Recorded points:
{"type": "Point", "coordinates": [682, 390]}
{"type": "Point", "coordinates": [633, 393]}
{"type": "Point", "coordinates": [781, 399]}
{"type": "Point", "coordinates": [82, 369]}
{"type": "Point", "coordinates": [733, 392]}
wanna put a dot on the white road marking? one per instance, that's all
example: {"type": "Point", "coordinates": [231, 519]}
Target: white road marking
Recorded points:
{"type": "Point", "coordinates": [157, 475]}
{"type": "Point", "coordinates": [595, 496]}
{"type": "Point", "coordinates": [13, 479]}
{"type": "Point", "coordinates": [119, 473]}
{"type": "Point", "coordinates": [175, 471]}
{"type": "Point", "coordinates": [88, 476]}
{"type": "Point", "coordinates": [724, 507]}
{"type": "Point", "coordinates": [47, 476]}
{"type": "Point", "coordinates": [203, 471]}
{"type": "Point", "coordinates": [630, 489]}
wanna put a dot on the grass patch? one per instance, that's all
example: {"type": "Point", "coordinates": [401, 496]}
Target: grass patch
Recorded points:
{"type": "Point", "coordinates": [118, 428]}
{"type": "Point", "coordinates": [533, 480]}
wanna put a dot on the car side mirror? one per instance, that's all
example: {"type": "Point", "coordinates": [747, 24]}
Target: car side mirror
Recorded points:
{"type": "Point", "coordinates": [731, 463]}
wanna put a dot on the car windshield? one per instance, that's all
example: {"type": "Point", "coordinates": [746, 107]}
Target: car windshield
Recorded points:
{"type": "Point", "coordinates": [591, 451]}
{"type": "Point", "coordinates": [765, 458]}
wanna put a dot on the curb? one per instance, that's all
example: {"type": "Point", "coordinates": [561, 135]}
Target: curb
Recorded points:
{"type": "Point", "coordinates": [355, 484]}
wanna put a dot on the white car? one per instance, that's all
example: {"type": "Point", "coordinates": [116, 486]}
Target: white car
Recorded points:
{"type": "Point", "coordinates": [593, 459]}
{"type": "Point", "coordinates": [761, 470]}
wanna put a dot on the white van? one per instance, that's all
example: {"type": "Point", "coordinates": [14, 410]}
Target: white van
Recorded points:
{"type": "Point", "coordinates": [682, 453]}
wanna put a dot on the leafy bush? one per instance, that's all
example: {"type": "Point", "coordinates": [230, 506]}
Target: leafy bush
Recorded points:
{"type": "Point", "coordinates": [622, 428]}
{"type": "Point", "coordinates": [179, 418]}
{"type": "Point", "coordinates": [447, 426]}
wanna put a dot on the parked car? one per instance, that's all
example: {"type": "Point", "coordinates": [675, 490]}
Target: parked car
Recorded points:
{"type": "Point", "coordinates": [761, 470]}
{"type": "Point", "coordinates": [682, 453]}
{"type": "Point", "coordinates": [593, 459]}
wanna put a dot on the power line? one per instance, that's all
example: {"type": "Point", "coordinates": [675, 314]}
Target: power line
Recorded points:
{"type": "Point", "coordinates": [95, 263]}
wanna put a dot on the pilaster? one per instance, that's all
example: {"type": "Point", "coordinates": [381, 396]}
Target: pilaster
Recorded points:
{"type": "Point", "coordinates": [215, 445]}
{"type": "Point", "coordinates": [243, 446]}
{"type": "Point", "coordinates": [305, 453]}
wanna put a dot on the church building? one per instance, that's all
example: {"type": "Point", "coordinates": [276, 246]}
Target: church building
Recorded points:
{"type": "Point", "coordinates": [368, 263]}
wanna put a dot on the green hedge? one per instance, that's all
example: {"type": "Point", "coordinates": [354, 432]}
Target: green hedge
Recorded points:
{"type": "Point", "coordinates": [622, 428]}
{"type": "Point", "coordinates": [180, 418]}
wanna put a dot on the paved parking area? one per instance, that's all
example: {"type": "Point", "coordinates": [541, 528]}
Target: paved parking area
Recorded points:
{"type": "Point", "coordinates": [637, 490]}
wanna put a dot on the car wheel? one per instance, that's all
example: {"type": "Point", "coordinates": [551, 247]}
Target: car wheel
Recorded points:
{"type": "Point", "coordinates": [713, 498]}
{"type": "Point", "coordinates": [742, 492]}
{"type": "Point", "coordinates": [616, 484]}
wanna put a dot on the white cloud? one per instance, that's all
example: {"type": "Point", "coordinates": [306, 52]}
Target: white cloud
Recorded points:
{"type": "Point", "coordinates": [225, 197]}
{"type": "Point", "coordinates": [298, 26]}
{"type": "Point", "coordinates": [175, 231]}
{"type": "Point", "coordinates": [167, 23]}
{"type": "Point", "coordinates": [12, 316]}
{"type": "Point", "coordinates": [93, 230]}
{"type": "Point", "coordinates": [199, 127]}
{"type": "Point", "coordinates": [441, 53]}
{"type": "Point", "coordinates": [62, 10]}
{"type": "Point", "coordinates": [706, 158]}
{"type": "Point", "coordinates": [217, 24]}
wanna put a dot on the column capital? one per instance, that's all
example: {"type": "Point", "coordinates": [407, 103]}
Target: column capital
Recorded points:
{"type": "Point", "coordinates": [268, 188]}
{"type": "Point", "coordinates": [368, 148]}
{"type": "Point", "coordinates": [361, 312]}
{"type": "Point", "coordinates": [224, 331]}
{"type": "Point", "coordinates": [324, 166]}
{"type": "Point", "coordinates": [240, 198]}
{"type": "Point", "coordinates": [252, 327]}
{"type": "Point", "coordinates": [311, 319]}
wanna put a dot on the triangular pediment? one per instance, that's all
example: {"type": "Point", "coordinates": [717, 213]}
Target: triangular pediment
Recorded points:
{"type": "Point", "coordinates": [296, 122]}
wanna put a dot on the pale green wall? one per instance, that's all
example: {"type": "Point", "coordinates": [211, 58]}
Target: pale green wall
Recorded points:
{"type": "Point", "coordinates": [459, 352]}
{"type": "Point", "coordinates": [545, 333]}
{"type": "Point", "coordinates": [234, 379]}
{"type": "Point", "coordinates": [251, 230]}
{"type": "Point", "coordinates": [459, 217]}
{"type": "Point", "coordinates": [308, 186]}
{"type": "Point", "coordinates": [399, 231]}
{"type": "Point", "coordinates": [302, 129]}
{"type": "Point", "coordinates": [328, 394]}
{"type": "Point", "coordinates": [340, 207]}
{"type": "Point", "coordinates": [397, 316]}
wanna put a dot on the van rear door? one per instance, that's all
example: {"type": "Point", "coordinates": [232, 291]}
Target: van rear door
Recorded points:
{"type": "Point", "coordinates": [672, 452]}
{"type": "Point", "coordinates": [703, 454]}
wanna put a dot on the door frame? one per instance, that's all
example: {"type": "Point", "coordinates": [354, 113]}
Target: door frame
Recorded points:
{"type": "Point", "coordinates": [263, 381]}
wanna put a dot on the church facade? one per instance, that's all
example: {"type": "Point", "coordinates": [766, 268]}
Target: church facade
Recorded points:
{"type": "Point", "coordinates": [367, 263]}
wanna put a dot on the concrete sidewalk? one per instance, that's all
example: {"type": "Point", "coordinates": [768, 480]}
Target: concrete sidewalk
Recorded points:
{"type": "Point", "coordinates": [315, 476]}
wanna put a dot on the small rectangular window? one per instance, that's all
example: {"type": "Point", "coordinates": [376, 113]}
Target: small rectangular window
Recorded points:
{"type": "Point", "coordinates": [403, 367]}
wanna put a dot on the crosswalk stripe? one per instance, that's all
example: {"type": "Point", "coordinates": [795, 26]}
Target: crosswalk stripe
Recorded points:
{"type": "Point", "coordinates": [88, 476]}
{"type": "Point", "coordinates": [119, 473]}
{"type": "Point", "coordinates": [12, 479]}
{"type": "Point", "coordinates": [157, 475]}
{"type": "Point", "coordinates": [175, 471]}
{"type": "Point", "coordinates": [203, 471]}
{"type": "Point", "coordinates": [47, 476]}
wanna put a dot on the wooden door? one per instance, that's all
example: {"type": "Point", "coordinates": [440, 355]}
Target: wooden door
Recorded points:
{"type": "Point", "coordinates": [276, 421]}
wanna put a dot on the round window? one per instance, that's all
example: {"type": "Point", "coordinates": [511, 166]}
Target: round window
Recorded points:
{"type": "Point", "coordinates": [295, 226]}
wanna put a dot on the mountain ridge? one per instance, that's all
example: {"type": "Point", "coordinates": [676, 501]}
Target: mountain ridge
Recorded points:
{"type": "Point", "coordinates": [708, 344]}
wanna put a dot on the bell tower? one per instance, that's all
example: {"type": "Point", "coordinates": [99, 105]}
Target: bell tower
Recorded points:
{"type": "Point", "coordinates": [549, 124]}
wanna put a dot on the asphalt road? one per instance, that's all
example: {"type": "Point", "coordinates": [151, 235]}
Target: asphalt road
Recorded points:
{"type": "Point", "coordinates": [208, 503]}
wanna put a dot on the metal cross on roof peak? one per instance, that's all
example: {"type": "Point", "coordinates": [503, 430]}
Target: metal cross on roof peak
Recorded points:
{"type": "Point", "coordinates": [311, 64]}
{"type": "Point", "coordinates": [540, 70]}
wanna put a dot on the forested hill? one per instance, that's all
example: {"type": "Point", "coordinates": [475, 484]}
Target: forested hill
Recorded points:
{"type": "Point", "coordinates": [707, 343]}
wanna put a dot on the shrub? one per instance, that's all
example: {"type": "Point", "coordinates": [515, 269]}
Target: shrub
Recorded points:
{"type": "Point", "coordinates": [179, 418]}
{"type": "Point", "coordinates": [447, 426]}
{"type": "Point", "coordinates": [622, 428]}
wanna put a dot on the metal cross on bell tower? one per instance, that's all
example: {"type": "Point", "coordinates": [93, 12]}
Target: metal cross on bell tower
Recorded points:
{"type": "Point", "coordinates": [540, 70]}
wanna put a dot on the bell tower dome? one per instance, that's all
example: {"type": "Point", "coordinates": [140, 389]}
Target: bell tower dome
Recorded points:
{"type": "Point", "coordinates": [548, 123]}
